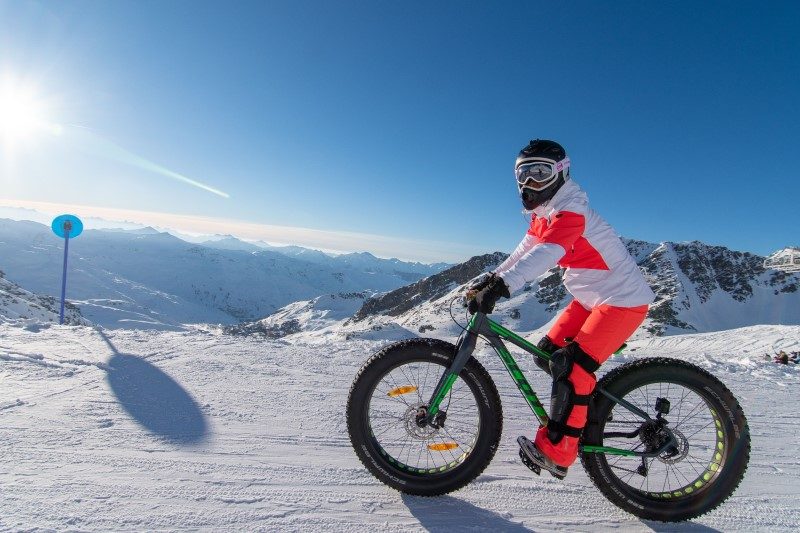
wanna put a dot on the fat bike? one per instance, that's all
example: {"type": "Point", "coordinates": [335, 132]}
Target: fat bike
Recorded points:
{"type": "Point", "coordinates": [665, 440]}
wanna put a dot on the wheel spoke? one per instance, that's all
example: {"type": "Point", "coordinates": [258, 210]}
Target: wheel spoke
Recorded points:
{"type": "Point", "coordinates": [701, 463]}
{"type": "Point", "coordinates": [672, 473]}
{"type": "Point", "coordinates": [395, 428]}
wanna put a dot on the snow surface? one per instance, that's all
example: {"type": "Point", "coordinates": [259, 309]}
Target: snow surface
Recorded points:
{"type": "Point", "coordinates": [151, 430]}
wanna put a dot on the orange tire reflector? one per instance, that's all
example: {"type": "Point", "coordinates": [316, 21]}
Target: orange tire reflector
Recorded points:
{"type": "Point", "coordinates": [442, 446]}
{"type": "Point", "coordinates": [402, 390]}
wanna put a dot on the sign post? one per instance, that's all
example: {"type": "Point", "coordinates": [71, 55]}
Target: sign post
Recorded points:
{"type": "Point", "coordinates": [66, 226]}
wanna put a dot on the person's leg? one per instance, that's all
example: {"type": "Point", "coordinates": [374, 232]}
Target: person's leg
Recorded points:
{"type": "Point", "coordinates": [568, 324]}
{"type": "Point", "coordinates": [603, 332]}
{"type": "Point", "coordinates": [607, 328]}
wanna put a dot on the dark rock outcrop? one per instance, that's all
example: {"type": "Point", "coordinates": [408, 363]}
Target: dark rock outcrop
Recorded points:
{"type": "Point", "coordinates": [404, 299]}
{"type": "Point", "coordinates": [685, 277]}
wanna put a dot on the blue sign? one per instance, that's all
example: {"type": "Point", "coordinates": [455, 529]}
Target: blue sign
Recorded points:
{"type": "Point", "coordinates": [67, 223]}
{"type": "Point", "coordinates": [66, 227]}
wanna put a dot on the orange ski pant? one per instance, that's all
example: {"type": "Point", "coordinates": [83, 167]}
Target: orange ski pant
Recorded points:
{"type": "Point", "coordinates": [599, 332]}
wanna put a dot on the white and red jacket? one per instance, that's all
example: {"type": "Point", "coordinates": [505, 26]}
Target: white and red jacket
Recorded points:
{"type": "Point", "coordinates": [567, 232]}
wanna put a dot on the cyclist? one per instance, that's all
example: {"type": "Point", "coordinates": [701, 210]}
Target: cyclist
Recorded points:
{"type": "Point", "coordinates": [611, 296]}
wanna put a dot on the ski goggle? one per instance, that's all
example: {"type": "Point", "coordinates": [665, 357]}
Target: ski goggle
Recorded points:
{"type": "Point", "coordinates": [538, 174]}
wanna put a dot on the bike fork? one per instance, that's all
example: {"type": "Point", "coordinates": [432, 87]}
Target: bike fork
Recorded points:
{"type": "Point", "coordinates": [464, 349]}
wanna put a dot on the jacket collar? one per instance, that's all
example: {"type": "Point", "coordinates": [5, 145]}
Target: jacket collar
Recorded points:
{"type": "Point", "coordinates": [569, 191]}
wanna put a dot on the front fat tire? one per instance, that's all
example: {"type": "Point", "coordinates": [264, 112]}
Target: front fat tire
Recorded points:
{"type": "Point", "coordinates": [474, 376]}
{"type": "Point", "coordinates": [734, 426]}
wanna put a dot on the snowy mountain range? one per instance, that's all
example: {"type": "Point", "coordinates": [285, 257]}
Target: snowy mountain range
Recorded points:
{"type": "Point", "coordinates": [698, 288]}
{"type": "Point", "coordinates": [147, 278]}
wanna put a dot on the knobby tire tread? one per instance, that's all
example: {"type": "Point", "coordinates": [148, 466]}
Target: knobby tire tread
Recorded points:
{"type": "Point", "coordinates": [423, 486]}
{"type": "Point", "coordinates": [665, 515]}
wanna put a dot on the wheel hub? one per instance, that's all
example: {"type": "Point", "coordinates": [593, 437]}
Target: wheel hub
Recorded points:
{"type": "Point", "coordinates": [415, 429]}
{"type": "Point", "coordinates": [654, 435]}
{"type": "Point", "coordinates": [678, 452]}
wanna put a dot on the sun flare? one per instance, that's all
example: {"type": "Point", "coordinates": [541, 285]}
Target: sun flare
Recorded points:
{"type": "Point", "coordinates": [23, 114]}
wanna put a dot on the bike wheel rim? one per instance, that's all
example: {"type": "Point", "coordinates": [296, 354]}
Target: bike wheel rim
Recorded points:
{"type": "Point", "coordinates": [393, 433]}
{"type": "Point", "coordinates": [700, 428]}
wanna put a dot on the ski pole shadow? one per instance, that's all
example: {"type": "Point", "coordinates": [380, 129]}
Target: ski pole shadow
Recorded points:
{"type": "Point", "coordinates": [153, 399]}
{"type": "Point", "coordinates": [446, 513]}
{"type": "Point", "coordinates": [669, 527]}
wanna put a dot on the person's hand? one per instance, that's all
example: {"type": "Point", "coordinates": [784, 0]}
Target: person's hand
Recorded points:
{"type": "Point", "coordinates": [486, 297]}
{"type": "Point", "coordinates": [476, 284]}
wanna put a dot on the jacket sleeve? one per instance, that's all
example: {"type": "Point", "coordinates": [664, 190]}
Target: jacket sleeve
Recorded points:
{"type": "Point", "coordinates": [557, 239]}
{"type": "Point", "coordinates": [527, 242]}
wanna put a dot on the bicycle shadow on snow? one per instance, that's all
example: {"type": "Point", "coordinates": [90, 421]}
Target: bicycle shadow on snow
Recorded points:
{"type": "Point", "coordinates": [446, 513]}
{"type": "Point", "coordinates": [153, 399]}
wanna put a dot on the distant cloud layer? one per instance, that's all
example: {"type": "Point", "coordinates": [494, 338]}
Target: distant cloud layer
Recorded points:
{"type": "Point", "coordinates": [331, 241]}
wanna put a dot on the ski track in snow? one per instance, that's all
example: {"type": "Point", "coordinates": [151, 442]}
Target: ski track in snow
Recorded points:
{"type": "Point", "coordinates": [146, 430]}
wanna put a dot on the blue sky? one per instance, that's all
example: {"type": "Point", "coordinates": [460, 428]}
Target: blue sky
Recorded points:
{"type": "Point", "coordinates": [402, 119]}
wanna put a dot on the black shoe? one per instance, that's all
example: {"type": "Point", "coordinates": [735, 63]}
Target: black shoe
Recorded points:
{"type": "Point", "coordinates": [536, 460]}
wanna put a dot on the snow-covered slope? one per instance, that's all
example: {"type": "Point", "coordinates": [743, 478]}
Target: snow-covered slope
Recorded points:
{"type": "Point", "coordinates": [18, 306]}
{"type": "Point", "coordinates": [146, 278]}
{"type": "Point", "coordinates": [786, 259]}
{"type": "Point", "coordinates": [125, 430]}
{"type": "Point", "coordinates": [416, 306]}
{"type": "Point", "coordinates": [311, 315]}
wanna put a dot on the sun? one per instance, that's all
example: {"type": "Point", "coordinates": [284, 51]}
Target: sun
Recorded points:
{"type": "Point", "coordinates": [23, 114]}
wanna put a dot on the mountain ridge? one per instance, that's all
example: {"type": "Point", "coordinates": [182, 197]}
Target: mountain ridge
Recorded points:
{"type": "Point", "coordinates": [698, 288]}
{"type": "Point", "coordinates": [157, 280]}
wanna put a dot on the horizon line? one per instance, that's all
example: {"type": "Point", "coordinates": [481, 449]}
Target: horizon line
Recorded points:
{"type": "Point", "coordinates": [405, 249]}
{"type": "Point", "coordinates": [328, 241]}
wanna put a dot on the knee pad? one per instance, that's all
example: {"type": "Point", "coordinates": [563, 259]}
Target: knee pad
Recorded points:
{"type": "Point", "coordinates": [545, 344]}
{"type": "Point", "coordinates": [563, 397]}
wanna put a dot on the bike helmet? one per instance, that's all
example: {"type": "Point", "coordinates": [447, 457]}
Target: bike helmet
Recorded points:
{"type": "Point", "coordinates": [542, 167]}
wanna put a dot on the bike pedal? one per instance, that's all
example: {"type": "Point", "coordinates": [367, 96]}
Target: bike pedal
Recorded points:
{"type": "Point", "coordinates": [524, 444]}
{"type": "Point", "coordinates": [536, 469]}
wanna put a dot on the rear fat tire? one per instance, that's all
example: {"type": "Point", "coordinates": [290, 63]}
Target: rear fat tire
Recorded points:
{"type": "Point", "coordinates": [736, 440]}
{"type": "Point", "coordinates": [366, 447]}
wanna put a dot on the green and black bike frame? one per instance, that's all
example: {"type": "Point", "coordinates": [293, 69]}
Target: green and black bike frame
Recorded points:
{"type": "Point", "coordinates": [481, 326]}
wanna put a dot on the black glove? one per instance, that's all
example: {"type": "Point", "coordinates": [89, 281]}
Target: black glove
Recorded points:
{"type": "Point", "coordinates": [546, 345]}
{"type": "Point", "coordinates": [486, 298]}
{"type": "Point", "coordinates": [479, 282]}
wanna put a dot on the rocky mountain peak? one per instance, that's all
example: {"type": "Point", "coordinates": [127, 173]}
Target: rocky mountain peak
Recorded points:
{"type": "Point", "coordinates": [406, 298]}
{"type": "Point", "coordinates": [698, 287]}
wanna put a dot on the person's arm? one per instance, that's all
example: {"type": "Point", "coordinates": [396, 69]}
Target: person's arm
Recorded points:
{"type": "Point", "coordinates": [525, 245]}
{"type": "Point", "coordinates": [559, 237]}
